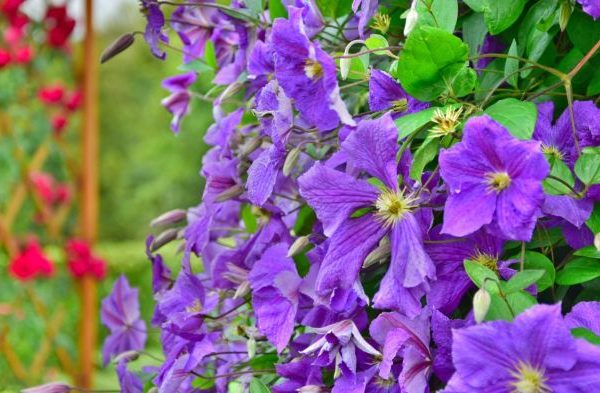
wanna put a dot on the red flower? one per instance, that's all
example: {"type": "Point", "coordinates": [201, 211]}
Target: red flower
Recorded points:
{"type": "Point", "coordinates": [10, 7]}
{"type": "Point", "coordinates": [74, 100]}
{"type": "Point", "coordinates": [30, 263]}
{"type": "Point", "coordinates": [51, 94]}
{"type": "Point", "coordinates": [60, 26]}
{"type": "Point", "coordinates": [23, 55]}
{"type": "Point", "coordinates": [43, 185]}
{"type": "Point", "coordinates": [62, 193]}
{"type": "Point", "coordinates": [59, 122]}
{"type": "Point", "coordinates": [4, 58]}
{"type": "Point", "coordinates": [81, 260]}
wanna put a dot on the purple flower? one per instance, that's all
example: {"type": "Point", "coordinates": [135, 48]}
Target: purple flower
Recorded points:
{"type": "Point", "coordinates": [129, 382]}
{"type": "Point", "coordinates": [300, 376]}
{"type": "Point", "coordinates": [179, 101]}
{"type": "Point", "coordinates": [339, 343]}
{"type": "Point", "coordinates": [335, 196]}
{"type": "Point", "coordinates": [491, 44]}
{"type": "Point", "coordinates": [535, 353]}
{"type": "Point", "coordinates": [493, 180]}
{"type": "Point", "coordinates": [154, 27]}
{"type": "Point", "coordinates": [161, 274]}
{"type": "Point", "coordinates": [275, 284]}
{"type": "Point", "coordinates": [408, 338]}
{"type": "Point", "coordinates": [182, 304]}
{"type": "Point", "coordinates": [591, 7]}
{"type": "Point", "coordinates": [195, 27]}
{"type": "Point", "coordinates": [441, 328]}
{"type": "Point", "coordinates": [585, 315]}
{"type": "Point", "coordinates": [452, 281]}
{"type": "Point", "coordinates": [121, 314]}
{"type": "Point", "coordinates": [387, 94]}
{"type": "Point", "coordinates": [586, 115]}
{"type": "Point", "coordinates": [307, 74]}
{"type": "Point", "coordinates": [364, 9]}
{"type": "Point", "coordinates": [556, 138]}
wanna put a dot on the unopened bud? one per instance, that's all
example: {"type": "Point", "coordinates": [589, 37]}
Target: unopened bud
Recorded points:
{"type": "Point", "coordinates": [380, 253]}
{"type": "Point", "coordinates": [481, 304]}
{"type": "Point", "coordinates": [127, 356]}
{"type": "Point", "coordinates": [118, 46]}
{"type": "Point", "coordinates": [298, 245]}
{"type": "Point", "coordinates": [230, 193]}
{"type": "Point", "coordinates": [412, 17]}
{"type": "Point", "coordinates": [170, 217]}
{"type": "Point", "coordinates": [52, 387]}
{"type": "Point", "coordinates": [251, 347]}
{"type": "Point", "coordinates": [344, 67]}
{"type": "Point", "coordinates": [290, 161]}
{"type": "Point", "coordinates": [163, 238]}
{"type": "Point", "coordinates": [242, 290]}
{"type": "Point", "coordinates": [250, 146]}
{"type": "Point", "coordinates": [566, 9]}
{"type": "Point", "coordinates": [228, 92]}
{"type": "Point", "coordinates": [597, 241]}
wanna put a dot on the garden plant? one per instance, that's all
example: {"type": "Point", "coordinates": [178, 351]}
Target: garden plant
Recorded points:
{"type": "Point", "coordinates": [399, 197]}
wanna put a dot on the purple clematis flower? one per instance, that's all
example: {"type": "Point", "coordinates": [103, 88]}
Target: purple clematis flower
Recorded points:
{"type": "Point", "coordinates": [591, 7]}
{"type": "Point", "coordinates": [161, 274]}
{"type": "Point", "coordinates": [409, 338]}
{"type": "Point", "coordinates": [535, 353]}
{"type": "Point", "coordinates": [491, 44]}
{"type": "Point", "coordinates": [585, 315]}
{"type": "Point", "coordinates": [338, 345]}
{"type": "Point", "coordinates": [129, 382]}
{"type": "Point", "coordinates": [121, 314]}
{"type": "Point", "coordinates": [387, 94]}
{"type": "Point", "coordinates": [275, 294]}
{"type": "Point", "coordinates": [307, 74]}
{"type": "Point", "coordinates": [179, 101]}
{"type": "Point", "coordinates": [182, 305]}
{"type": "Point", "coordinates": [441, 329]}
{"type": "Point", "coordinates": [195, 27]}
{"type": "Point", "coordinates": [154, 27]}
{"type": "Point", "coordinates": [335, 196]}
{"type": "Point", "coordinates": [586, 115]}
{"type": "Point", "coordinates": [364, 9]}
{"type": "Point", "coordinates": [300, 375]}
{"type": "Point", "coordinates": [494, 180]}
{"type": "Point", "coordinates": [556, 138]}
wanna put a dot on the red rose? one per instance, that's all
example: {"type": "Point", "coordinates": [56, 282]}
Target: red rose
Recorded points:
{"type": "Point", "coordinates": [4, 58]}
{"type": "Point", "coordinates": [30, 263]}
{"type": "Point", "coordinates": [51, 94]}
{"type": "Point", "coordinates": [59, 122]}
{"type": "Point", "coordinates": [23, 55]}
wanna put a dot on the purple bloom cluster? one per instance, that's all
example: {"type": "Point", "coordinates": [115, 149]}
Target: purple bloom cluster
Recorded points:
{"type": "Point", "coordinates": [326, 253]}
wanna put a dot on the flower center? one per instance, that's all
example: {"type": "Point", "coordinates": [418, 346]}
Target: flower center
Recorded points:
{"type": "Point", "coordinates": [498, 181]}
{"type": "Point", "coordinates": [552, 151]}
{"type": "Point", "coordinates": [313, 69]}
{"type": "Point", "coordinates": [195, 307]}
{"type": "Point", "coordinates": [529, 379]}
{"type": "Point", "coordinates": [392, 206]}
{"type": "Point", "coordinates": [446, 121]}
{"type": "Point", "coordinates": [400, 105]}
{"type": "Point", "coordinates": [381, 22]}
{"type": "Point", "coordinates": [487, 260]}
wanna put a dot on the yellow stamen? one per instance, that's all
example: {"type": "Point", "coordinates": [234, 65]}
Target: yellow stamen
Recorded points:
{"type": "Point", "coordinates": [195, 308]}
{"type": "Point", "coordinates": [498, 181]}
{"type": "Point", "coordinates": [446, 122]}
{"type": "Point", "coordinates": [529, 379]}
{"type": "Point", "coordinates": [487, 260]}
{"type": "Point", "coordinates": [552, 151]}
{"type": "Point", "coordinates": [392, 206]}
{"type": "Point", "coordinates": [313, 69]}
{"type": "Point", "coordinates": [400, 105]}
{"type": "Point", "coordinates": [381, 22]}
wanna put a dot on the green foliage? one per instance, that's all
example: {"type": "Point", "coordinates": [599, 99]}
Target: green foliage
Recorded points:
{"type": "Point", "coordinates": [430, 59]}
{"type": "Point", "coordinates": [587, 167]}
{"type": "Point", "coordinates": [498, 15]}
{"type": "Point", "coordinates": [438, 13]}
{"type": "Point", "coordinates": [517, 116]}
{"type": "Point", "coordinates": [560, 170]}
{"type": "Point", "coordinates": [578, 270]}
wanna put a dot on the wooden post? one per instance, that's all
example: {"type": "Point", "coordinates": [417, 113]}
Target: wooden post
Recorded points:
{"type": "Point", "coordinates": [89, 200]}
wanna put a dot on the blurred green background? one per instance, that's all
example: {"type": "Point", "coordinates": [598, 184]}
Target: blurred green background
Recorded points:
{"type": "Point", "coordinates": [145, 170]}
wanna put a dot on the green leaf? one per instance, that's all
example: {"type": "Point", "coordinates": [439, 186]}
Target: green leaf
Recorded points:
{"type": "Point", "coordinates": [438, 13]}
{"type": "Point", "coordinates": [522, 280]}
{"type": "Point", "coordinates": [517, 116]}
{"type": "Point", "coordinates": [464, 82]}
{"type": "Point", "coordinates": [583, 31]}
{"type": "Point", "coordinates": [532, 39]}
{"type": "Point", "coordinates": [520, 301]}
{"type": "Point", "coordinates": [594, 221]}
{"type": "Point", "coordinates": [249, 218]}
{"type": "Point", "coordinates": [256, 6]}
{"type": "Point", "coordinates": [263, 362]}
{"type": "Point", "coordinates": [587, 167]}
{"type": "Point", "coordinates": [357, 66]}
{"type": "Point", "coordinates": [334, 8]}
{"type": "Point", "coordinates": [277, 10]}
{"type": "Point", "coordinates": [258, 386]}
{"type": "Point", "coordinates": [430, 58]}
{"type": "Point", "coordinates": [480, 274]}
{"type": "Point", "coordinates": [588, 252]}
{"type": "Point", "coordinates": [498, 15]}
{"type": "Point", "coordinates": [560, 170]}
{"type": "Point", "coordinates": [594, 85]}
{"type": "Point", "coordinates": [512, 65]}
{"type": "Point", "coordinates": [235, 387]}
{"type": "Point", "coordinates": [376, 41]}
{"type": "Point", "coordinates": [474, 32]}
{"type": "Point", "coordinates": [498, 310]}
{"type": "Point", "coordinates": [423, 156]}
{"type": "Point", "coordinates": [578, 270]}
{"type": "Point", "coordinates": [586, 334]}
{"type": "Point", "coordinates": [535, 260]}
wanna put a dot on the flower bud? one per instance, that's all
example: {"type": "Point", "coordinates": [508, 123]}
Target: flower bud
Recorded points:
{"type": "Point", "coordinates": [412, 16]}
{"type": "Point", "coordinates": [298, 245]}
{"type": "Point", "coordinates": [290, 161]}
{"type": "Point", "coordinates": [163, 238]}
{"type": "Point", "coordinates": [250, 146]}
{"type": "Point", "coordinates": [481, 304]}
{"type": "Point", "coordinates": [597, 241]}
{"type": "Point", "coordinates": [344, 67]}
{"type": "Point", "coordinates": [52, 387]}
{"type": "Point", "coordinates": [230, 193]}
{"type": "Point", "coordinates": [118, 46]}
{"type": "Point", "coordinates": [168, 218]}
{"type": "Point", "coordinates": [378, 254]}
{"type": "Point", "coordinates": [251, 347]}
{"type": "Point", "coordinates": [127, 356]}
